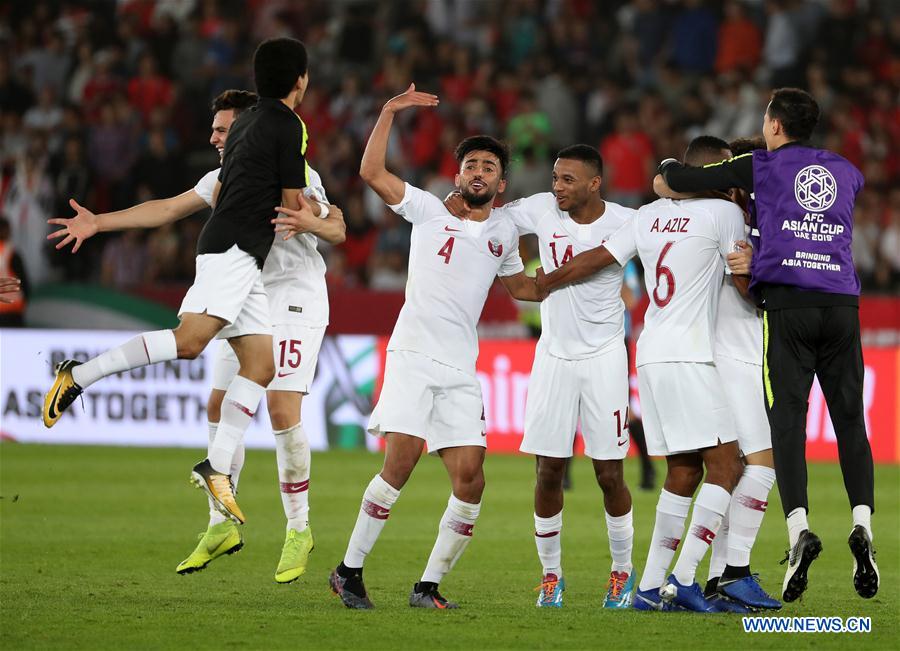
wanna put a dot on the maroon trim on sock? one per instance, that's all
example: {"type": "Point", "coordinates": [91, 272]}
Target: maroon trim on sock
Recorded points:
{"type": "Point", "coordinates": [240, 407]}
{"type": "Point", "coordinates": [462, 528]}
{"type": "Point", "coordinates": [549, 534]}
{"type": "Point", "coordinates": [752, 502]}
{"type": "Point", "coordinates": [294, 487]}
{"type": "Point", "coordinates": [703, 533]}
{"type": "Point", "coordinates": [670, 543]}
{"type": "Point", "coordinates": [374, 510]}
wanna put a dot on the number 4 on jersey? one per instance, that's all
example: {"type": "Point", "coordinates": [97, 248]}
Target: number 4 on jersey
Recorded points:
{"type": "Point", "coordinates": [447, 250]}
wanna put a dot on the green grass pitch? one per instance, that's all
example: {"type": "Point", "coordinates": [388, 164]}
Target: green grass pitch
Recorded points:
{"type": "Point", "coordinates": [90, 538]}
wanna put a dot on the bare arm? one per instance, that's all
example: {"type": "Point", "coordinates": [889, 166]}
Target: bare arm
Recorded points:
{"type": "Point", "coordinates": [332, 229]}
{"type": "Point", "coordinates": [150, 214]}
{"type": "Point", "coordinates": [739, 264]}
{"type": "Point", "coordinates": [522, 287]}
{"type": "Point", "coordinates": [372, 169]}
{"type": "Point", "coordinates": [580, 267]}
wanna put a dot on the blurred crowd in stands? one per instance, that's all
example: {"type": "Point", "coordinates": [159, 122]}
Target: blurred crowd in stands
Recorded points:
{"type": "Point", "coordinates": [107, 102]}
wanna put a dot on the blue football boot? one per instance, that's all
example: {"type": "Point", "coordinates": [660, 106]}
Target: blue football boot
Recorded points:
{"type": "Point", "coordinates": [749, 592]}
{"type": "Point", "coordinates": [688, 597]}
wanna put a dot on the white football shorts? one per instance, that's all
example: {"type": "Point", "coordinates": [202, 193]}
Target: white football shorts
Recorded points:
{"type": "Point", "coordinates": [563, 392]}
{"type": "Point", "coordinates": [296, 349]}
{"type": "Point", "coordinates": [432, 401]}
{"type": "Point", "coordinates": [683, 407]}
{"type": "Point", "coordinates": [229, 285]}
{"type": "Point", "coordinates": [743, 386]}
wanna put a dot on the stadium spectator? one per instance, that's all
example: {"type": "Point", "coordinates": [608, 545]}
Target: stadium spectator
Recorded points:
{"type": "Point", "coordinates": [687, 67]}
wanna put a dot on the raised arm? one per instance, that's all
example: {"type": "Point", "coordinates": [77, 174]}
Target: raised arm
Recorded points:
{"type": "Point", "coordinates": [150, 214]}
{"type": "Point", "coordinates": [732, 173]}
{"type": "Point", "coordinates": [372, 169]}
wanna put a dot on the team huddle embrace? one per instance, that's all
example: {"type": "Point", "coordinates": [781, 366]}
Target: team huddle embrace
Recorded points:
{"type": "Point", "coordinates": [714, 400]}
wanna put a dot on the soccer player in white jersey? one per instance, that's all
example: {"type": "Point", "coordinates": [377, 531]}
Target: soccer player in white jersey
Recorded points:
{"type": "Point", "coordinates": [682, 246]}
{"type": "Point", "coordinates": [431, 394]}
{"type": "Point", "coordinates": [294, 278]}
{"type": "Point", "coordinates": [739, 353]}
{"type": "Point", "coordinates": [580, 371]}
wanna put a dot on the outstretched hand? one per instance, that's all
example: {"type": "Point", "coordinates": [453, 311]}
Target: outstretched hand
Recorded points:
{"type": "Point", "coordinates": [410, 97]}
{"type": "Point", "coordinates": [74, 229]}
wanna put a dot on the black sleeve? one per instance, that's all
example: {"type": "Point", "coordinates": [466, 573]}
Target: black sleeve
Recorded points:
{"type": "Point", "coordinates": [292, 169]}
{"type": "Point", "coordinates": [732, 173]}
{"type": "Point", "coordinates": [18, 269]}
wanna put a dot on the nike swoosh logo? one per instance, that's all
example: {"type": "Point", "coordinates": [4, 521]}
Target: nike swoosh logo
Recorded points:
{"type": "Point", "coordinates": [623, 443]}
{"type": "Point", "coordinates": [556, 237]}
{"type": "Point", "coordinates": [452, 230]}
{"type": "Point", "coordinates": [52, 410]}
{"type": "Point", "coordinates": [280, 374]}
{"type": "Point", "coordinates": [382, 513]}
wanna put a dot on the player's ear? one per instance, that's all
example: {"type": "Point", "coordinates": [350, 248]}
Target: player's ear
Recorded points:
{"type": "Point", "coordinates": [456, 181]}
{"type": "Point", "coordinates": [501, 186]}
{"type": "Point", "coordinates": [596, 183]}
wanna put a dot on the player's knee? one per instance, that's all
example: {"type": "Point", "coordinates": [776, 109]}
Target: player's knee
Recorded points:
{"type": "Point", "coordinates": [190, 347]}
{"type": "Point", "coordinates": [550, 474]}
{"type": "Point", "coordinates": [610, 477]}
{"type": "Point", "coordinates": [261, 371]}
{"type": "Point", "coordinates": [468, 485]}
{"type": "Point", "coordinates": [683, 480]}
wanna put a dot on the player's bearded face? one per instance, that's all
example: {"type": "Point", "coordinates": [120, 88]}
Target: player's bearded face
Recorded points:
{"type": "Point", "coordinates": [479, 178]}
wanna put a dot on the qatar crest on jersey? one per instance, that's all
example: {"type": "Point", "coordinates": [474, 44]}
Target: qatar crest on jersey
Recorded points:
{"type": "Point", "coordinates": [495, 247]}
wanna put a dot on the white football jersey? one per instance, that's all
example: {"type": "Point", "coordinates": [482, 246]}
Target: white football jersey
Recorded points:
{"type": "Point", "coordinates": [582, 319]}
{"type": "Point", "coordinates": [452, 265]}
{"type": "Point", "coordinates": [682, 246]}
{"type": "Point", "coordinates": [294, 271]}
{"type": "Point", "coordinates": [739, 331]}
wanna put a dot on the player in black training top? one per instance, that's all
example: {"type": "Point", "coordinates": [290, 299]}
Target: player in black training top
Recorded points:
{"type": "Point", "coordinates": [264, 167]}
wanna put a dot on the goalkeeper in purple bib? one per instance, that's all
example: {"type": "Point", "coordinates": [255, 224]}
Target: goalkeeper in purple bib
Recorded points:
{"type": "Point", "coordinates": [803, 276]}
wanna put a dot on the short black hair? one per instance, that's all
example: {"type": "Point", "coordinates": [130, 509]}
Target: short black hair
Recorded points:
{"type": "Point", "coordinates": [797, 111]}
{"type": "Point", "coordinates": [484, 143]}
{"type": "Point", "coordinates": [234, 100]}
{"type": "Point", "coordinates": [586, 154]}
{"type": "Point", "coordinates": [277, 64]}
{"type": "Point", "coordinates": [741, 146]}
{"type": "Point", "coordinates": [703, 150]}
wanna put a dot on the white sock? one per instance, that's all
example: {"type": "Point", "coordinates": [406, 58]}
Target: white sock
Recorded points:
{"type": "Point", "coordinates": [745, 514]}
{"type": "Point", "coordinates": [237, 463]}
{"type": "Point", "coordinates": [292, 454]}
{"type": "Point", "coordinates": [547, 539]}
{"type": "Point", "coordinates": [709, 509]}
{"type": "Point", "coordinates": [454, 534]}
{"type": "Point", "coordinates": [796, 524]}
{"type": "Point", "coordinates": [671, 512]}
{"type": "Point", "coordinates": [373, 513]}
{"type": "Point", "coordinates": [238, 406]}
{"type": "Point", "coordinates": [148, 348]}
{"type": "Point", "coordinates": [862, 515]}
{"type": "Point", "coordinates": [718, 557]}
{"type": "Point", "coordinates": [620, 531]}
